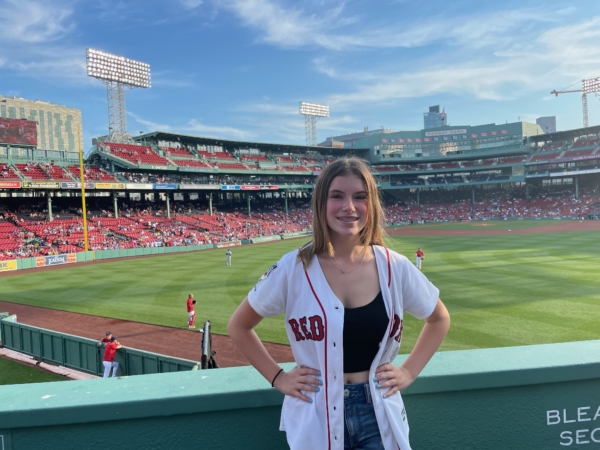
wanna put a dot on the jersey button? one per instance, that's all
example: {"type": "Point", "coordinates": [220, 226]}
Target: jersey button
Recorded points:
{"type": "Point", "coordinates": [334, 344]}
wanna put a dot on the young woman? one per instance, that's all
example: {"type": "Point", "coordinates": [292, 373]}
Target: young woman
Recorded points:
{"type": "Point", "coordinates": [344, 296]}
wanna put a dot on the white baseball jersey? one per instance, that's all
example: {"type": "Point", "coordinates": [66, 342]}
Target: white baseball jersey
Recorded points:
{"type": "Point", "coordinates": [314, 323]}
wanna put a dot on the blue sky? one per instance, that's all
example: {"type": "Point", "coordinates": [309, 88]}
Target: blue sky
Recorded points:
{"type": "Point", "coordinates": [236, 69]}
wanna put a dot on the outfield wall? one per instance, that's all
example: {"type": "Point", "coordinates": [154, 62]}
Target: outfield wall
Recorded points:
{"type": "Point", "coordinates": [69, 258]}
{"type": "Point", "coordinates": [539, 397]}
{"type": "Point", "coordinates": [83, 354]}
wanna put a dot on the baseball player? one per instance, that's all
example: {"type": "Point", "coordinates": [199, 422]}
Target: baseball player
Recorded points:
{"type": "Point", "coordinates": [419, 256]}
{"type": "Point", "coordinates": [190, 309]}
{"type": "Point", "coordinates": [105, 339]}
{"type": "Point", "coordinates": [109, 357]}
{"type": "Point", "coordinates": [228, 257]}
{"type": "Point", "coordinates": [343, 284]}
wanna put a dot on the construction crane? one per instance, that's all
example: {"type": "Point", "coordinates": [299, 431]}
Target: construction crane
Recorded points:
{"type": "Point", "coordinates": [591, 86]}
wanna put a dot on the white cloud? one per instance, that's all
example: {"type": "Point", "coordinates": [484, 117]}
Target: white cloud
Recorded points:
{"type": "Point", "coordinates": [32, 32]}
{"type": "Point", "coordinates": [554, 58]}
{"type": "Point", "coordinates": [34, 22]}
{"type": "Point", "coordinates": [191, 4]}
{"type": "Point", "coordinates": [290, 27]}
{"type": "Point", "coordinates": [225, 132]}
{"type": "Point", "coordinates": [152, 126]}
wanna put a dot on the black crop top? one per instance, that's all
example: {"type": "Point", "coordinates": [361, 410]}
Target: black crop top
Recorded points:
{"type": "Point", "coordinates": [363, 329]}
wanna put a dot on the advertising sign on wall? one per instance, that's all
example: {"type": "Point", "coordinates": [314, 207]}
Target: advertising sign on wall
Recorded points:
{"type": "Point", "coordinates": [445, 132]}
{"type": "Point", "coordinates": [140, 186]}
{"type": "Point", "coordinates": [10, 184]}
{"type": "Point", "coordinates": [165, 186]}
{"type": "Point", "coordinates": [229, 244]}
{"type": "Point", "coordinates": [199, 186]}
{"type": "Point", "coordinates": [6, 266]}
{"type": "Point", "coordinates": [230, 188]}
{"type": "Point", "coordinates": [75, 185]}
{"type": "Point", "coordinates": [269, 188]}
{"type": "Point", "coordinates": [251, 188]}
{"type": "Point", "coordinates": [55, 260]}
{"type": "Point", "coordinates": [110, 185]}
{"type": "Point", "coordinates": [41, 185]}
{"type": "Point", "coordinates": [18, 132]}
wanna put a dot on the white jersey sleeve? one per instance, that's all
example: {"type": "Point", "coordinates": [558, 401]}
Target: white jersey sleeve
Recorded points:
{"type": "Point", "coordinates": [269, 297]}
{"type": "Point", "coordinates": [419, 295]}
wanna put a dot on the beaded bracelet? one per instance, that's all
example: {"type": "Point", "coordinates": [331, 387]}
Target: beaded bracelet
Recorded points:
{"type": "Point", "coordinates": [275, 377]}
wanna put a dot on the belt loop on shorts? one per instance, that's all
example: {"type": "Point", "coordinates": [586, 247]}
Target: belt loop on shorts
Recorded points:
{"type": "Point", "coordinates": [367, 392]}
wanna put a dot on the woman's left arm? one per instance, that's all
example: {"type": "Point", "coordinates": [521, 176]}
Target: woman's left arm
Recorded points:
{"type": "Point", "coordinates": [433, 333]}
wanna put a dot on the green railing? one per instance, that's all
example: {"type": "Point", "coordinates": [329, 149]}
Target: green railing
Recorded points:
{"type": "Point", "coordinates": [84, 354]}
{"type": "Point", "coordinates": [539, 397]}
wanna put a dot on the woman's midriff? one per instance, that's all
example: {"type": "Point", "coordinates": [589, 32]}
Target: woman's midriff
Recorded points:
{"type": "Point", "coordinates": [356, 377]}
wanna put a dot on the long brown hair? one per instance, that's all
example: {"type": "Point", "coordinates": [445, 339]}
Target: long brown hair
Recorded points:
{"type": "Point", "coordinates": [371, 233]}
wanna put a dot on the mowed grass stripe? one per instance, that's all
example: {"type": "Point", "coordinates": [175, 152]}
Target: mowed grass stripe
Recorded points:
{"type": "Point", "coordinates": [501, 290]}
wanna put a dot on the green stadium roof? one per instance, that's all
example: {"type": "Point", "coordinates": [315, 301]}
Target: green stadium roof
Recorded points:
{"type": "Point", "coordinates": [565, 135]}
{"type": "Point", "coordinates": [236, 145]}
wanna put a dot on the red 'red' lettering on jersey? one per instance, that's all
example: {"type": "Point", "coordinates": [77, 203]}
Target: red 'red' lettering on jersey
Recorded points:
{"type": "Point", "coordinates": [296, 329]}
{"type": "Point", "coordinates": [301, 331]}
{"type": "Point", "coordinates": [398, 325]}
{"type": "Point", "coordinates": [307, 333]}
{"type": "Point", "coordinates": [317, 328]}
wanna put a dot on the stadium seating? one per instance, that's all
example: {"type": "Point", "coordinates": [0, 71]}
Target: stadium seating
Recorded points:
{"type": "Point", "coordinates": [7, 173]}
{"type": "Point", "coordinates": [32, 171]}
{"type": "Point", "coordinates": [92, 173]}
{"type": "Point", "coordinates": [284, 159]}
{"type": "Point", "coordinates": [57, 173]}
{"type": "Point", "coordinates": [512, 160]}
{"type": "Point", "coordinates": [254, 158]}
{"type": "Point", "coordinates": [218, 156]}
{"type": "Point", "coordinates": [544, 157]}
{"type": "Point", "coordinates": [232, 166]}
{"type": "Point", "coordinates": [552, 146]}
{"type": "Point", "coordinates": [136, 154]}
{"type": "Point", "coordinates": [295, 168]}
{"type": "Point", "coordinates": [179, 152]}
{"type": "Point", "coordinates": [192, 163]}
{"type": "Point", "coordinates": [386, 168]}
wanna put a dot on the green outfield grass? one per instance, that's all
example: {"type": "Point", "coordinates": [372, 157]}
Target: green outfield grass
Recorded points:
{"type": "Point", "coordinates": [501, 290]}
{"type": "Point", "coordinates": [15, 373]}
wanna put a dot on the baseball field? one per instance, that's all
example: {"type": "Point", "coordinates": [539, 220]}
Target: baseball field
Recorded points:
{"type": "Point", "coordinates": [530, 285]}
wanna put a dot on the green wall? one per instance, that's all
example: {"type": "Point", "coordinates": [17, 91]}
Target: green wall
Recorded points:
{"type": "Point", "coordinates": [533, 397]}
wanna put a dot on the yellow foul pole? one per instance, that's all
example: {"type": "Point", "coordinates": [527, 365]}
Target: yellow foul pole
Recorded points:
{"type": "Point", "coordinates": [83, 208]}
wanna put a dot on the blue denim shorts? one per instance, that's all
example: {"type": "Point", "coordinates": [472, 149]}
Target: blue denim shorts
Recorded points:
{"type": "Point", "coordinates": [361, 431]}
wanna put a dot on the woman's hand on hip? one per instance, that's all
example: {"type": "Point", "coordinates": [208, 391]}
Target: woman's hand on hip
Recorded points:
{"type": "Point", "coordinates": [393, 377]}
{"type": "Point", "coordinates": [297, 381]}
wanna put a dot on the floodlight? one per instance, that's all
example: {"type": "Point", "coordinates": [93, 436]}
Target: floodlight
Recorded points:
{"type": "Point", "coordinates": [312, 112]}
{"type": "Point", "coordinates": [118, 74]}
{"type": "Point", "coordinates": [109, 67]}
{"type": "Point", "coordinates": [590, 86]}
{"type": "Point", "coordinates": [313, 109]}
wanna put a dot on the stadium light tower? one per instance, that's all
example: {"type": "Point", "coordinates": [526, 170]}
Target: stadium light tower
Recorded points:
{"type": "Point", "coordinates": [591, 86]}
{"type": "Point", "coordinates": [118, 74]}
{"type": "Point", "coordinates": [312, 112]}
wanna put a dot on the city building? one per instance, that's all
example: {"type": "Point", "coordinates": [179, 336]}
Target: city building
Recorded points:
{"type": "Point", "coordinates": [347, 140]}
{"type": "Point", "coordinates": [58, 127]}
{"type": "Point", "coordinates": [548, 124]}
{"type": "Point", "coordinates": [434, 118]}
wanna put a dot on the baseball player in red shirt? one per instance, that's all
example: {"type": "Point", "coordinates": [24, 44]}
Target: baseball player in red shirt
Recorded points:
{"type": "Point", "coordinates": [109, 357]}
{"type": "Point", "coordinates": [420, 257]}
{"type": "Point", "coordinates": [105, 339]}
{"type": "Point", "coordinates": [190, 309]}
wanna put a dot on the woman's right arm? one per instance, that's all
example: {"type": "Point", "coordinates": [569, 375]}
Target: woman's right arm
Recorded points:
{"type": "Point", "coordinates": [241, 330]}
